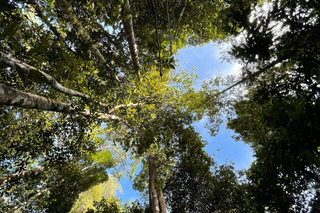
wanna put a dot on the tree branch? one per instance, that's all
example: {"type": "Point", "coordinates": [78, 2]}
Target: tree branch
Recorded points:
{"type": "Point", "coordinates": [254, 75]}
{"type": "Point", "coordinates": [51, 81]}
{"type": "Point", "coordinates": [168, 17]}
{"type": "Point", "coordinates": [157, 35]}
{"type": "Point", "coordinates": [67, 9]}
{"type": "Point", "coordinates": [124, 105]}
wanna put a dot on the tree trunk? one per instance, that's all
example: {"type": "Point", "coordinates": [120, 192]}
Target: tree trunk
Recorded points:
{"type": "Point", "coordinates": [128, 29]}
{"type": "Point", "coordinates": [13, 97]}
{"type": "Point", "coordinates": [156, 198]}
{"type": "Point", "coordinates": [48, 79]}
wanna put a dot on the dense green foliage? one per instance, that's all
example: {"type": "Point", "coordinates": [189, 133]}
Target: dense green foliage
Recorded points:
{"type": "Point", "coordinates": [71, 91]}
{"type": "Point", "coordinates": [279, 116]}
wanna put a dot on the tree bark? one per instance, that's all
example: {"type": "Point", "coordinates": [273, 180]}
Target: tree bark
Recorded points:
{"type": "Point", "coordinates": [152, 186]}
{"type": "Point", "coordinates": [156, 198]}
{"type": "Point", "coordinates": [13, 97]}
{"type": "Point", "coordinates": [128, 29]}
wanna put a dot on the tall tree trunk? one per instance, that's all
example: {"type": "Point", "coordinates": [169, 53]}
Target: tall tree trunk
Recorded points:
{"type": "Point", "coordinates": [156, 198]}
{"type": "Point", "coordinates": [128, 29]}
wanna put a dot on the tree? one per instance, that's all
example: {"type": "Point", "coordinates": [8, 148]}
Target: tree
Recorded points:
{"type": "Point", "coordinates": [279, 115]}
{"type": "Point", "coordinates": [66, 73]}
{"type": "Point", "coordinates": [198, 184]}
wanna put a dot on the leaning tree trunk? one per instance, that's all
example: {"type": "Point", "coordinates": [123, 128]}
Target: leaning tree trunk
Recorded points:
{"type": "Point", "coordinates": [13, 97]}
{"type": "Point", "coordinates": [156, 198]}
{"type": "Point", "coordinates": [128, 29]}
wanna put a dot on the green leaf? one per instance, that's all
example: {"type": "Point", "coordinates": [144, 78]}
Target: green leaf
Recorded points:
{"type": "Point", "coordinates": [40, 58]}
{"type": "Point", "coordinates": [10, 30]}
{"type": "Point", "coordinates": [37, 77]}
{"type": "Point", "coordinates": [283, 130]}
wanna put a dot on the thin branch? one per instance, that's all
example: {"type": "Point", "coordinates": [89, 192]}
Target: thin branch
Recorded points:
{"type": "Point", "coordinates": [128, 29]}
{"type": "Point", "coordinates": [67, 9]}
{"type": "Point", "coordinates": [179, 20]}
{"type": "Point", "coordinates": [254, 75]}
{"type": "Point", "coordinates": [45, 20]}
{"type": "Point", "coordinates": [18, 207]}
{"type": "Point", "coordinates": [124, 105]}
{"type": "Point", "coordinates": [51, 81]}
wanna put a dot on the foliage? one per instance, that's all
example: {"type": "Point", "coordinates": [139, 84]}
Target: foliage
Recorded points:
{"type": "Point", "coordinates": [113, 206]}
{"type": "Point", "coordinates": [197, 184]}
{"type": "Point", "coordinates": [279, 115]}
{"type": "Point", "coordinates": [96, 193]}
{"type": "Point", "coordinates": [75, 54]}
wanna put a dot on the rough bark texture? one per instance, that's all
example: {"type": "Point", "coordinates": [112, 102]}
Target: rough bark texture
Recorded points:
{"type": "Point", "coordinates": [128, 29]}
{"type": "Point", "coordinates": [156, 198]}
{"type": "Point", "coordinates": [51, 81]}
{"type": "Point", "coordinates": [13, 97]}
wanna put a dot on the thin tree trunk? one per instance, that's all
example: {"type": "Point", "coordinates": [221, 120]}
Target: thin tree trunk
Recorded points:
{"type": "Point", "coordinates": [152, 186]}
{"type": "Point", "coordinates": [128, 29]}
{"type": "Point", "coordinates": [179, 20]}
{"type": "Point", "coordinates": [51, 81]}
{"type": "Point", "coordinates": [162, 202]}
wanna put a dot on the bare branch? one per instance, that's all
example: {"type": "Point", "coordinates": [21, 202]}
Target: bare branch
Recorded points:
{"type": "Point", "coordinates": [51, 81]}
{"type": "Point", "coordinates": [124, 105]}
{"type": "Point", "coordinates": [254, 75]}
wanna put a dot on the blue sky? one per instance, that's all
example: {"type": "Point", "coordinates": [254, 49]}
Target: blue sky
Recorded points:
{"type": "Point", "coordinates": [206, 63]}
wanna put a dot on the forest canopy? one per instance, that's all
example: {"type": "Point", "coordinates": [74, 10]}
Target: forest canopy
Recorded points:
{"type": "Point", "coordinates": [89, 90]}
